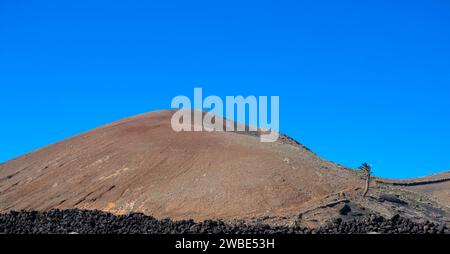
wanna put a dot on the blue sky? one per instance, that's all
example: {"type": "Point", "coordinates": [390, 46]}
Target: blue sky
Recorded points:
{"type": "Point", "coordinates": [357, 81]}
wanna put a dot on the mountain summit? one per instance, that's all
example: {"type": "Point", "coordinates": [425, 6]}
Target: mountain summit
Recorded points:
{"type": "Point", "coordinates": [140, 164]}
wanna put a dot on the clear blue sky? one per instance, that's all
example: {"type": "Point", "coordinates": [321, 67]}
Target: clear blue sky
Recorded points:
{"type": "Point", "coordinates": [357, 81]}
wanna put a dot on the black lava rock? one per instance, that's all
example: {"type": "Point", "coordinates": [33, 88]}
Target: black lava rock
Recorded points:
{"type": "Point", "coordinates": [97, 222]}
{"type": "Point", "coordinates": [345, 210]}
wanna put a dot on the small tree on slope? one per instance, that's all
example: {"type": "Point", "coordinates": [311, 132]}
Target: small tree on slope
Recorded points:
{"type": "Point", "coordinates": [366, 169]}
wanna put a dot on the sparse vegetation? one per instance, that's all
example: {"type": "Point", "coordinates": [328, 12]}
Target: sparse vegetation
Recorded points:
{"type": "Point", "coordinates": [367, 170]}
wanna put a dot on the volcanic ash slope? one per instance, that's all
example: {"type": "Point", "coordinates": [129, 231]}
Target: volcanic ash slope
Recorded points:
{"type": "Point", "coordinates": [140, 164]}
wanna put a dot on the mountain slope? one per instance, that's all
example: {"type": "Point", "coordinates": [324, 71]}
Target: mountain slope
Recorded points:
{"type": "Point", "coordinates": [139, 164]}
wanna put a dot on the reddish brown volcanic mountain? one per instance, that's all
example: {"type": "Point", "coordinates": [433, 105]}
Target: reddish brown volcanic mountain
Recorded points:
{"type": "Point", "coordinates": [139, 164]}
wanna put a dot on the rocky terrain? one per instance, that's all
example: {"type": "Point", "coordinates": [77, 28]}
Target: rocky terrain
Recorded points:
{"type": "Point", "coordinates": [140, 165]}
{"type": "Point", "coordinates": [97, 222]}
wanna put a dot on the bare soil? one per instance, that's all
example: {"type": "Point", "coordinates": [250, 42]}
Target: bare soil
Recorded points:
{"type": "Point", "coordinates": [140, 164]}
